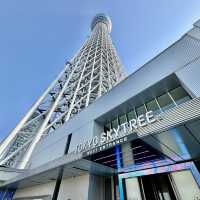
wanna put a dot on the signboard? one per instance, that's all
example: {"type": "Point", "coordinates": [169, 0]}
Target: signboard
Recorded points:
{"type": "Point", "coordinates": [115, 135]}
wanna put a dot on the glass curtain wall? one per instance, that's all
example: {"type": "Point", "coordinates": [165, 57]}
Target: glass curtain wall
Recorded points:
{"type": "Point", "coordinates": [158, 104]}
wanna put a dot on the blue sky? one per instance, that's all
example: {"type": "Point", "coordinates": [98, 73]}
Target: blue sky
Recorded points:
{"type": "Point", "coordinates": [36, 37]}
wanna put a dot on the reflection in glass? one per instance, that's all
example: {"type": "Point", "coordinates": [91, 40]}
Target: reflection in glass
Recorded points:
{"type": "Point", "coordinates": [194, 128]}
{"type": "Point", "coordinates": [131, 115]}
{"type": "Point", "coordinates": [179, 95]}
{"type": "Point", "coordinates": [115, 123]}
{"type": "Point", "coordinates": [140, 110]}
{"type": "Point", "coordinates": [122, 119]}
{"type": "Point", "coordinates": [152, 105]}
{"type": "Point", "coordinates": [165, 102]}
{"type": "Point", "coordinates": [181, 141]}
{"type": "Point", "coordinates": [107, 127]}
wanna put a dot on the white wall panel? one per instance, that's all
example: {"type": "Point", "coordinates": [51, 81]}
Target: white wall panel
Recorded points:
{"type": "Point", "coordinates": [75, 188]}
{"type": "Point", "coordinates": [36, 191]}
{"type": "Point", "coordinates": [186, 185]}
{"type": "Point", "coordinates": [133, 189]}
{"type": "Point", "coordinates": [190, 77]}
{"type": "Point", "coordinates": [195, 32]}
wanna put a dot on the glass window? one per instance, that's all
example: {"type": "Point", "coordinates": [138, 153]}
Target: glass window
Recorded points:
{"type": "Point", "coordinates": [115, 123]}
{"type": "Point", "coordinates": [165, 102]}
{"type": "Point", "coordinates": [140, 110]}
{"type": "Point", "coordinates": [107, 127]}
{"type": "Point", "coordinates": [152, 105]}
{"type": "Point", "coordinates": [131, 115]}
{"type": "Point", "coordinates": [122, 119]}
{"type": "Point", "coordinates": [179, 95]}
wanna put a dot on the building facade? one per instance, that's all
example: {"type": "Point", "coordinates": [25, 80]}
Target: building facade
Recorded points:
{"type": "Point", "coordinates": [140, 140]}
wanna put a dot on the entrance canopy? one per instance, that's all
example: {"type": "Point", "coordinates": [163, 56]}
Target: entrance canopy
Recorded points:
{"type": "Point", "coordinates": [49, 172]}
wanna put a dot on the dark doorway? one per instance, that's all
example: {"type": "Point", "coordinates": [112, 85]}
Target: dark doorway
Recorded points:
{"type": "Point", "coordinates": [157, 187]}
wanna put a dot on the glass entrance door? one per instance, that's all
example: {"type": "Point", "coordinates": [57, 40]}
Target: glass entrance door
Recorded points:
{"type": "Point", "coordinates": [151, 187]}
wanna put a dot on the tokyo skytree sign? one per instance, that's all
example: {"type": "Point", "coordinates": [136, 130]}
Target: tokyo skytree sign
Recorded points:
{"type": "Point", "coordinates": [93, 71]}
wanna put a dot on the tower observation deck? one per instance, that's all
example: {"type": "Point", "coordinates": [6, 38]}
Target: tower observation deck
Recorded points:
{"type": "Point", "coordinates": [93, 71]}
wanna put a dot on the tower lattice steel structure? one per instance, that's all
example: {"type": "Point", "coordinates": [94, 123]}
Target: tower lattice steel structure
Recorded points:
{"type": "Point", "coordinates": [93, 71]}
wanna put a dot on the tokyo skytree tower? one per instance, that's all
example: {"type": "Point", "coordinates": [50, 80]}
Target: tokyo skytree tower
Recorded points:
{"type": "Point", "coordinates": [93, 71]}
